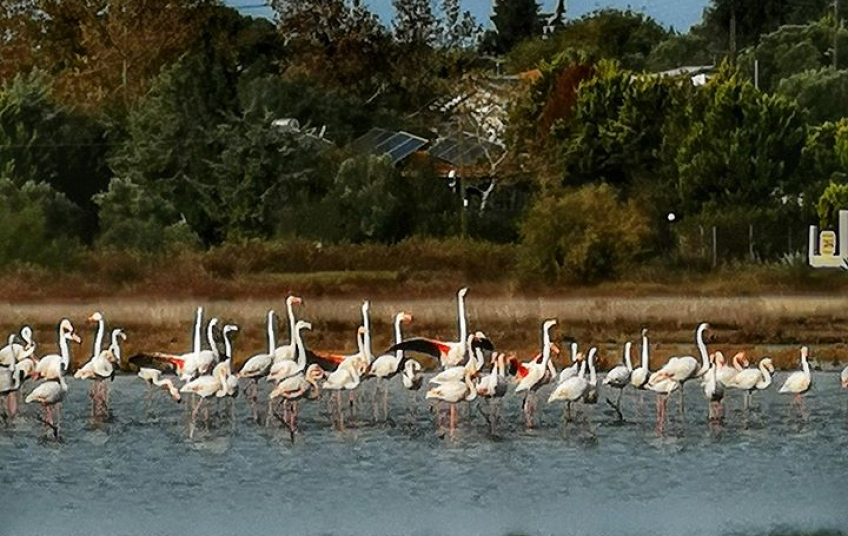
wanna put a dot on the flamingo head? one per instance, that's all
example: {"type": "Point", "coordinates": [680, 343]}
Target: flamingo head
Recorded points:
{"type": "Point", "coordinates": [294, 300]}
{"type": "Point", "coordinates": [230, 327]}
{"type": "Point", "coordinates": [405, 318]}
{"type": "Point", "coordinates": [94, 318]}
{"type": "Point", "coordinates": [804, 352]}
{"type": "Point", "coordinates": [462, 292]}
{"type": "Point", "coordinates": [644, 332]}
{"type": "Point", "coordinates": [554, 348]}
{"type": "Point", "coordinates": [303, 324]}
{"type": "Point", "coordinates": [767, 363]}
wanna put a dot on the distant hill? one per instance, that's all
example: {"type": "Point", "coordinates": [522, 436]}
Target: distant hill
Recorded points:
{"type": "Point", "coordinates": [679, 14]}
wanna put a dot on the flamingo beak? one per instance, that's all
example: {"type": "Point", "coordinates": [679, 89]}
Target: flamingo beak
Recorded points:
{"type": "Point", "coordinates": [297, 300]}
{"type": "Point", "coordinates": [76, 338]}
{"type": "Point", "coordinates": [407, 318]}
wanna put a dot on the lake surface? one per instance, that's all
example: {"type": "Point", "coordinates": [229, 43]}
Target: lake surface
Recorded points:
{"type": "Point", "coordinates": [141, 475]}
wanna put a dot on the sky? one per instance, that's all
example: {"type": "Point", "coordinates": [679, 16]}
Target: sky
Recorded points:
{"type": "Point", "coordinates": [679, 14]}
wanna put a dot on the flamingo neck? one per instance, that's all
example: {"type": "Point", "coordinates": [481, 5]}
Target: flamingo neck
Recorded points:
{"type": "Point", "coordinates": [228, 348]}
{"type": "Point", "coordinates": [546, 347]}
{"type": "Point", "coordinates": [197, 322]}
{"type": "Point", "coordinates": [804, 365]}
{"type": "Point", "coordinates": [271, 341]}
{"type": "Point", "coordinates": [366, 342]}
{"type": "Point", "coordinates": [210, 337]}
{"type": "Point", "coordinates": [463, 328]}
{"type": "Point", "coordinates": [98, 339]}
{"type": "Point", "coordinates": [593, 379]}
{"type": "Point", "coordinates": [398, 336]}
{"type": "Point", "coordinates": [301, 350]}
{"type": "Point", "coordinates": [627, 362]}
{"type": "Point", "coordinates": [645, 350]}
{"type": "Point", "coordinates": [64, 351]}
{"type": "Point", "coordinates": [290, 311]}
{"type": "Point", "coordinates": [582, 371]}
{"type": "Point", "coordinates": [702, 347]}
{"type": "Point", "coordinates": [766, 380]}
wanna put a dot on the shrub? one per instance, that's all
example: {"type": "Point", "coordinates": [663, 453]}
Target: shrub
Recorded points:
{"type": "Point", "coordinates": [583, 235]}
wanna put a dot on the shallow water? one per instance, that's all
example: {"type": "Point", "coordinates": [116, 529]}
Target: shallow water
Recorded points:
{"type": "Point", "coordinates": [140, 474]}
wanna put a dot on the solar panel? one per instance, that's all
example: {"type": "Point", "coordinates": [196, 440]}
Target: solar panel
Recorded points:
{"type": "Point", "coordinates": [398, 145]}
{"type": "Point", "coordinates": [463, 149]}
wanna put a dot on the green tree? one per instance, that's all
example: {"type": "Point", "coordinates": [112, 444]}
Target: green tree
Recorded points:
{"type": "Point", "coordinates": [41, 141]}
{"type": "Point", "coordinates": [742, 148]}
{"type": "Point", "coordinates": [368, 198]}
{"type": "Point", "coordinates": [514, 21]}
{"type": "Point", "coordinates": [814, 92]}
{"type": "Point", "coordinates": [135, 218]}
{"type": "Point", "coordinates": [679, 50]}
{"type": "Point", "coordinates": [833, 199]}
{"type": "Point", "coordinates": [583, 235]}
{"type": "Point", "coordinates": [824, 159]}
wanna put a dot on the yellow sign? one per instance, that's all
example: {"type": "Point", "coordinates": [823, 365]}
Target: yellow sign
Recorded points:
{"type": "Point", "coordinates": [827, 243]}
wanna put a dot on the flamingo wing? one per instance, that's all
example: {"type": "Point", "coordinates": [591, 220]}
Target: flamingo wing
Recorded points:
{"type": "Point", "coordinates": [157, 360]}
{"type": "Point", "coordinates": [434, 348]}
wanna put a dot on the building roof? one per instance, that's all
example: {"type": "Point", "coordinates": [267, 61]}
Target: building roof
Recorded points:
{"type": "Point", "coordinates": [396, 144]}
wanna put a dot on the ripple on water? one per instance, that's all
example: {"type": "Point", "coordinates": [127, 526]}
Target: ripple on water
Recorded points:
{"type": "Point", "coordinates": [761, 472]}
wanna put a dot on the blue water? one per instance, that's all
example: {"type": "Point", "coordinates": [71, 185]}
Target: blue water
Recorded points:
{"type": "Point", "coordinates": [679, 14]}
{"type": "Point", "coordinates": [140, 474]}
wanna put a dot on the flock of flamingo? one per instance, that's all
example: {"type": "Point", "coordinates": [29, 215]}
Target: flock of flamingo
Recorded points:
{"type": "Point", "coordinates": [469, 368]}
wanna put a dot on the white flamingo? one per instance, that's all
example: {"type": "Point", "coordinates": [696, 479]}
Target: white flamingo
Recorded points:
{"type": "Point", "coordinates": [799, 382]}
{"type": "Point", "coordinates": [153, 378]}
{"type": "Point", "coordinates": [639, 376]}
{"type": "Point", "coordinates": [11, 380]}
{"type": "Point", "coordinates": [726, 374]}
{"type": "Point", "coordinates": [293, 389]}
{"type": "Point", "coordinates": [714, 391]}
{"type": "Point", "coordinates": [203, 387]}
{"type": "Point", "coordinates": [50, 395]}
{"type": "Point", "coordinates": [574, 388]}
{"type": "Point", "coordinates": [258, 366]}
{"type": "Point", "coordinates": [753, 379]}
{"type": "Point", "coordinates": [388, 365]}
{"type": "Point", "coordinates": [289, 367]}
{"type": "Point", "coordinates": [619, 377]}
{"type": "Point", "coordinates": [844, 378]}
{"type": "Point", "coordinates": [348, 377]}
{"type": "Point", "coordinates": [683, 369]}
{"type": "Point", "coordinates": [288, 352]}
{"type": "Point", "coordinates": [453, 393]}
{"type": "Point", "coordinates": [14, 351]}
{"type": "Point", "coordinates": [202, 360]}
{"type": "Point", "coordinates": [52, 366]}
{"type": "Point", "coordinates": [570, 372]}
{"type": "Point", "coordinates": [536, 374]}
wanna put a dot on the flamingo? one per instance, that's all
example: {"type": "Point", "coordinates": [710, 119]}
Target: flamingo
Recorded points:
{"type": "Point", "coordinates": [493, 387]}
{"type": "Point", "coordinates": [99, 367]}
{"type": "Point", "coordinates": [52, 366]}
{"type": "Point", "coordinates": [844, 378]}
{"type": "Point", "coordinates": [799, 382]}
{"type": "Point", "coordinates": [726, 374]}
{"type": "Point", "coordinates": [662, 383]}
{"type": "Point", "coordinates": [50, 394]}
{"type": "Point", "coordinates": [203, 387]}
{"type": "Point", "coordinates": [537, 374]}
{"type": "Point", "coordinates": [574, 388]}
{"type": "Point", "coordinates": [411, 376]}
{"type": "Point", "coordinates": [449, 354]}
{"type": "Point", "coordinates": [202, 360]}
{"type": "Point", "coordinates": [683, 369]}
{"type": "Point", "coordinates": [153, 378]}
{"type": "Point", "coordinates": [714, 391]}
{"type": "Point", "coordinates": [289, 367]}
{"type": "Point", "coordinates": [639, 376]}
{"type": "Point", "coordinates": [225, 367]}
{"type": "Point", "coordinates": [388, 365]}
{"type": "Point", "coordinates": [14, 352]}
{"type": "Point", "coordinates": [571, 371]}
{"type": "Point", "coordinates": [293, 389]}
{"type": "Point", "coordinates": [457, 372]}
{"type": "Point", "coordinates": [288, 352]}
{"type": "Point", "coordinates": [619, 378]}
{"type": "Point", "coordinates": [11, 380]}
{"type": "Point", "coordinates": [750, 380]}
{"type": "Point", "coordinates": [348, 377]}
{"type": "Point", "coordinates": [259, 365]}
{"type": "Point", "coordinates": [452, 393]}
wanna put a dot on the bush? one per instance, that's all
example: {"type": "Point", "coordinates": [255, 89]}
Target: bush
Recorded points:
{"type": "Point", "coordinates": [583, 235]}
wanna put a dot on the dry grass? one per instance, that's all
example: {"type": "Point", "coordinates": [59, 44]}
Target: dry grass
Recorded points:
{"type": "Point", "coordinates": [769, 325]}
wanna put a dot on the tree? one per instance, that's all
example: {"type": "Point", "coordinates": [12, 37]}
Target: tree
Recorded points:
{"type": "Point", "coordinates": [624, 36]}
{"type": "Point", "coordinates": [514, 21]}
{"type": "Point", "coordinates": [833, 199]}
{"type": "Point", "coordinates": [824, 159]}
{"type": "Point", "coordinates": [742, 148]}
{"type": "Point", "coordinates": [16, 20]}
{"type": "Point", "coordinates": [137, 218]}
{"type": "Point", "coordinates": [415, 23]}
{"type": "Point", "coordinates": [754, 18]}
{"type": "Point", "coordinates": [106, 52]}
{"type": "Point", "coordinates": [679, 50]}
{"type": "Point", "coordinates": [344, 46]}
{"type": "Point", "coordinates": [41, 141]}
{"type": "Point", "coordinates": [458, 28]}
{"type": "Point", "coordinates": [583, 235]}
{"type": "Point", "coordinates": [814, 92]}
{"type": "Point", "coordinates": [791, 50]}
{"type": "Point", "coordinates": [369, 199]}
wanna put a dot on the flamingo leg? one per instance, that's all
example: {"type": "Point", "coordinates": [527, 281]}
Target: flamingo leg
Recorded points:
{"type": "Point", "coordinates": [352, 405]}
{"type": "Point", "coordinates": [194, 417]}
{"type": "Point", "coordinates": [452, 419]}
{"type": "Point", "coordinates": [385, 401]}
{"type": "Point", "coordinates": [11, 405]}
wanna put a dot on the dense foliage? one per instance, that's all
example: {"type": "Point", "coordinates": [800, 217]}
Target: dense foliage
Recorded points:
{"type": "Point", "coordinates": [161, 124]}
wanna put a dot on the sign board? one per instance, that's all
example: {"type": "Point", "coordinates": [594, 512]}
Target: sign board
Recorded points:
{"type": "Point", "coordinates": [832, 250]}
